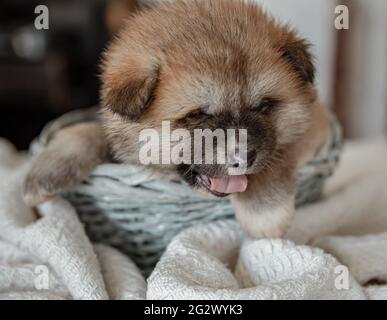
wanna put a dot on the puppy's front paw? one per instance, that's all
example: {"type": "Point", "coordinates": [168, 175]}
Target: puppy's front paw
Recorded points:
{"type": "Point", "coordinates": [266, 221]}
{"type": "Point", "coordinates": [49, 176]}
{"type": "Point", "coordinates": [34, 191]}
{"type": "Point", "coordinates": [67, 160]}
{"type": "Point", "coordinates": [270, 225]}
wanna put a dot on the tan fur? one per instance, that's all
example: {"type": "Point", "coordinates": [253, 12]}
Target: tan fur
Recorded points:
{"type": "Point", "coordinates": [221, 57]}
{"type": "Point", "coordinates": [271, 193]}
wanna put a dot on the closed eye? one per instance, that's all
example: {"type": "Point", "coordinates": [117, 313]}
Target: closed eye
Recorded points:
{"type": "Point", "coordinates": [196, 117]}
{"type": "Point", "coordinates": [266, 105]}
{"type": "Point", "coordinates": [199, 113]}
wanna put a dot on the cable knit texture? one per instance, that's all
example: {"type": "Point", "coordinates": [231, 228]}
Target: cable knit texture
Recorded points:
{"type": "Point", "coordinates": [199, 264]}
{"type": "Point", "coordinates": [347, 230]}
{"type": "Point", "coordinates": [53, 237]}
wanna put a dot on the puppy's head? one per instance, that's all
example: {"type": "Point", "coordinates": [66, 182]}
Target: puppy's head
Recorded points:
{"type": "Point", "coordinates": [210, 64]}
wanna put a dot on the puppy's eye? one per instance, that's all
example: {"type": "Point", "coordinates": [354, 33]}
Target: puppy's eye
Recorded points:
{"type": "Point", "coordinates": [200, 113]}
{"type": "Point", "coordinates": [194, 118]}
{"type": "Point", "coordinates": [266, 105]}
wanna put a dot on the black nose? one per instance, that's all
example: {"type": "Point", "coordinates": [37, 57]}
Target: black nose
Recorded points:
{"type": "Point", "coordinates": [251, 156]}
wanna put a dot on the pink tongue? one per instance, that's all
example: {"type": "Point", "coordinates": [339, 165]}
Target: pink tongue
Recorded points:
{"type": "Point", "coordinates": [230, 184]}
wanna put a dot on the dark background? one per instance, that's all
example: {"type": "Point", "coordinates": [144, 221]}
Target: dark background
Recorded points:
{"type": "Point", "coordinates": [45, 73]}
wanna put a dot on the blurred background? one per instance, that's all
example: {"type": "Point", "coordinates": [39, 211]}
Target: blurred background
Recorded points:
{"type": "Point", "coordinates": [45, 73]}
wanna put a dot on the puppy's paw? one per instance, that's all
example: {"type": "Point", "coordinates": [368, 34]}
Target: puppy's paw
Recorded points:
{"type": "Point", "coordinates": [34, 191]}
{"type": "Point", "coordinates": [271, 225]}
{"type": "Point", "coordinates": [68, 159]}
{"type": "Point", "coordinates": [49, 176]}
{"type": "Point", "coordinates": [265, 221]}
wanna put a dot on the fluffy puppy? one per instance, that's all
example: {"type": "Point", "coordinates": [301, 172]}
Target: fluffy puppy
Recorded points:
{"type": "Point", "coordinates": [210, 64]}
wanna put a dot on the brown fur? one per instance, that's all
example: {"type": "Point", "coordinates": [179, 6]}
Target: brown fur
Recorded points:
{"type": "Point", "coordinates": [218, 64]}
{"type": "Point", "coordinates": [68, 159]}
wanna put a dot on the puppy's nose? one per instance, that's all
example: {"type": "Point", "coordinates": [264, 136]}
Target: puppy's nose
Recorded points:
{"type": "Point", "coordinates": [240, 162]}
{"type": "Point", "coordinates": [237, 162]}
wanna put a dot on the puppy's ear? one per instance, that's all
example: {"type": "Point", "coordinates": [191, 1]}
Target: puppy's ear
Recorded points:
{"type": "Point", "coordinates": [128, 87]}
{"type": "Point", "coordinates": [296, 52]}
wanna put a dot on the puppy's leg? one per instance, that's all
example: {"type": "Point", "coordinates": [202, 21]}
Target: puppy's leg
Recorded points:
{"type": "Point", "coordinates": [266, 209]}
{"type": "Point", "coordinates": [67, 160]}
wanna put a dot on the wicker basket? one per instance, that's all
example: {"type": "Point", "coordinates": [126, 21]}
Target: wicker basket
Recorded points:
{"type": "Point", "coordinates": [127, 207]}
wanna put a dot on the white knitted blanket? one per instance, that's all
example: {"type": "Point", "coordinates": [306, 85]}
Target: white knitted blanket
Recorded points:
{"type": "Point", "coordinates": [337, 248]}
